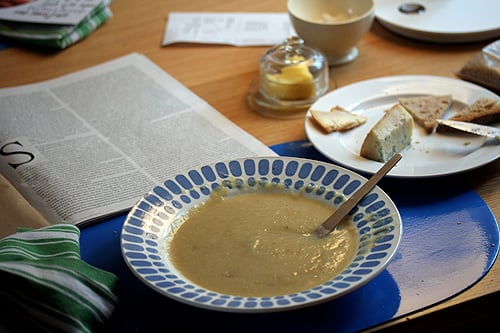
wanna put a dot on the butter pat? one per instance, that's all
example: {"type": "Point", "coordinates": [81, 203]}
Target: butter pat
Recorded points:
{"type": "Point", "coordinates": [389, 136]}
{"type": "Point", "coordinates": [295, 82]}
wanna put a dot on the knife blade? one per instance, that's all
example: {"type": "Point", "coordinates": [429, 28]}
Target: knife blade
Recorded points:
{"type": "Point", "coordinates": [489, 131]}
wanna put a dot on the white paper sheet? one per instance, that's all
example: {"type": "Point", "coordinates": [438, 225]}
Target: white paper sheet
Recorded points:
{"type": "Point", "coordinates": [237, 29]}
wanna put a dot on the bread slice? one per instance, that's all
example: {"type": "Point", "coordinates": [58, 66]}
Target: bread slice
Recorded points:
{"type": "Point", "coordinates": [337, 119]}
{"type": "Point", "coordinates": [390, 135]}
{"type": "Point", "coordinates": [482, 111]}
{"type": "Point", "coordinates": [426, 109]}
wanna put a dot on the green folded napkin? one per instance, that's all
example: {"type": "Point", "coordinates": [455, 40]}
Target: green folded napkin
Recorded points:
{"type": "Point", "coordinates": [46, 287]}
{"type": "Point", "coordinates": [54, 35]}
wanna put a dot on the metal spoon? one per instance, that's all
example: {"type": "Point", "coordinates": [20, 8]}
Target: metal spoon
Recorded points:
{"type": "Point", "coordinates": [326, 227]}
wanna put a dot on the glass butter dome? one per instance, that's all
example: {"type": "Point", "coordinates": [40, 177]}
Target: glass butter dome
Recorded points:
{"type": "Point", "coordinates": [292, 77]}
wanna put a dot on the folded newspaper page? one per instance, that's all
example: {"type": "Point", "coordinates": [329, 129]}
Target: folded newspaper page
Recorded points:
{"type": "Point", "coordinates": [16, 212]}
{"type": "Point", "coordinates": [83, 18]}
{"type": "Point", "coordinates": [47, 11]}
{"type": "Point", "coordinates": [89, 144]}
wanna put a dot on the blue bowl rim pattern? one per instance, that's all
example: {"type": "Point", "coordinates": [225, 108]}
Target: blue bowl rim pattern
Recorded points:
{"type": "Point", "coordinates": [153, 220]}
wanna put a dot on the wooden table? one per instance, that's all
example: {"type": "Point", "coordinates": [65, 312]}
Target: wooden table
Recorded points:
{"type": "Point", "coordinates": [221, 76]}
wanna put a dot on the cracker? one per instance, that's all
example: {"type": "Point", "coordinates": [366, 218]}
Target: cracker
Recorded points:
{"type": "Point", "coordinates": [337, 119]}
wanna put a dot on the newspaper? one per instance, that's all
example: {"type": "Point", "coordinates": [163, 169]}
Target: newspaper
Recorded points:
{"type": "Point", "coordinates": [35, 22]}
{"type": "Point", "coordinates": [88, 145]}
{"type": "Point", "coordinates": [47, 11]}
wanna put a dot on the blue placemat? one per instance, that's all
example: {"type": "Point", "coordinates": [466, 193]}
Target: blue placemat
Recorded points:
{"type": "Point", "coordinates": [450, 240]}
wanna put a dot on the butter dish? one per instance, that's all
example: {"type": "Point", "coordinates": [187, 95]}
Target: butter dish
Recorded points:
{"type": "Point", "coordinates": [292, 77]}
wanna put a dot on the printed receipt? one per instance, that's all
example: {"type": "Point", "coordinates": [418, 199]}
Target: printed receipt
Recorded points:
{"type": "Point", "coordinates": [237, 29]}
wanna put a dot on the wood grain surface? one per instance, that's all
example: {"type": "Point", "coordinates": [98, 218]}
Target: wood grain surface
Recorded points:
{"type": "Point", "coordinates": [221, 76]}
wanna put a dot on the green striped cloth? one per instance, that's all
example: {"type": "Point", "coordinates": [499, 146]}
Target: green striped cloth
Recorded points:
{"type": "Point", "coordinates": [46, 287]}
{"type": "Point", "coordinates": [56, 36]}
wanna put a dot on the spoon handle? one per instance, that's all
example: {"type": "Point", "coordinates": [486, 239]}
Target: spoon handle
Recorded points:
{"type": "Point", "coordinates": [326, 227]}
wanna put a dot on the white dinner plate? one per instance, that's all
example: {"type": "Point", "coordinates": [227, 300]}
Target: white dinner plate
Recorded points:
{"type": "Point", "coordinates": [443, 21]}
{"type": "Point", "coordinates": [429, 155]}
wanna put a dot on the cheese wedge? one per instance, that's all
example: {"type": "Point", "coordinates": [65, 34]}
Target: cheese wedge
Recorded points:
{"type": "Point", "coordinates": [390, 135]}
{"type": "Point", "coordinates": [337, 119]}
{"type": "Point", "coordinates": [426, 109]}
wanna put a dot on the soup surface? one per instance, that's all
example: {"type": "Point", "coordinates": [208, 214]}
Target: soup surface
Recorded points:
{"type": "Point", "coordinates": [261, 244]}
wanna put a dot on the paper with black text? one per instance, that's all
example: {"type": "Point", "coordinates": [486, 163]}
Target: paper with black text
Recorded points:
{"type": "Point", "coordinates": [90, 144]}
{"type": "Point", "coordinates": [236, 29]}
{"type": "Point", "coordinates": [69, 12]}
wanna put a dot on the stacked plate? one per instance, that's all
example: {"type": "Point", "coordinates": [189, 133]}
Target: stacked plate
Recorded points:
{"type": "Point", "coordinates": [444, 21]}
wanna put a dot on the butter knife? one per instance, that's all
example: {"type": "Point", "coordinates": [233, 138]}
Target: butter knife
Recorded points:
{"type": "Point", "coordinates": [489, 131]}
{"type": "Point", "coordinates": [327, 226]}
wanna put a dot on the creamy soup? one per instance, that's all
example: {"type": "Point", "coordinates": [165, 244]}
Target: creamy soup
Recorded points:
{"type": "Point", "coordinates": [260, 244]}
